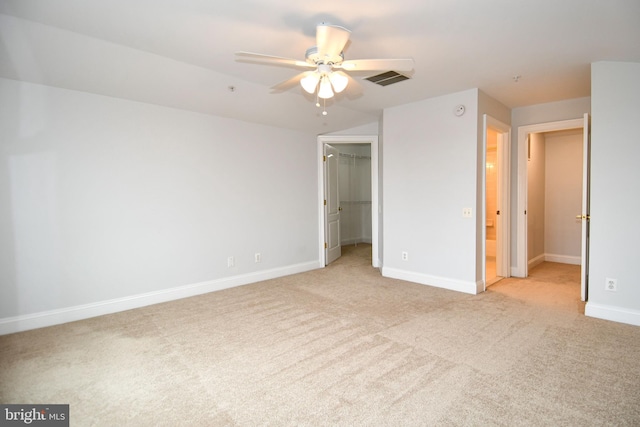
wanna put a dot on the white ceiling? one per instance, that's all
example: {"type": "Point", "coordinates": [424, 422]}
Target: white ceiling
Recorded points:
{"type": "Point", "coordinates": [180, 53]}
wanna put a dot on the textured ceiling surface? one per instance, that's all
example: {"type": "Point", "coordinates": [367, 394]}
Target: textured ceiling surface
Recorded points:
{"type": "Point", "coordinates": [180, 53]}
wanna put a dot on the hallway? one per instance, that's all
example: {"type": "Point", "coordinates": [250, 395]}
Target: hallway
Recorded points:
{"type": "Point", "coordinates": [549, 284]}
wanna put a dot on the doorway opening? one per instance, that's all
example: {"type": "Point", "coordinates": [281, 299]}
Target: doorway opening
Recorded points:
{"type": "Point", "coordinates": [495, 233]}
{"type": "Point", "coordinates": [491, 207]}
{"type": "Point", "coordinates": [553, 189]}
{"type": "Point", "coordinates": [357, 158]}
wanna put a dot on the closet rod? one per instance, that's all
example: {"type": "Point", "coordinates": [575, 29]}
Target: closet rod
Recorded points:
{"type": "Point", "coordinates": [351, 156]}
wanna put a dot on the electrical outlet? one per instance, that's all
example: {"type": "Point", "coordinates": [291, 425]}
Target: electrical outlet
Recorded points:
{"type": "Point", "coordinates": [611, 284]}
{"type": "Point", "coordinates": [231, 262]}
{"type": "Point", "coordinates": [405, 256]}
{"type": "Point", "coordinates": [257, 257]}
{"type": "Point", "coordinates": [467, 212]}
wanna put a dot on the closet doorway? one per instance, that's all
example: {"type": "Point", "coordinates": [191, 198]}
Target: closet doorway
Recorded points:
{"type": "Point", "coordinates": [354, 181]}
{"type": "Point", "coordinates": [357, 185]}
{"type": "Point", "coordinates": [532, 242]}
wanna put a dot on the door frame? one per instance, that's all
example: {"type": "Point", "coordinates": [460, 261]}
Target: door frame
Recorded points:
{"type": "Point", "coordinates": [336, 140]}
{"type": "Point", "coordinates": [521, 268]}
{"type": "Point", "coordinates": [586, 206]}
{"type": "Point", "coordinates": [504, 164]}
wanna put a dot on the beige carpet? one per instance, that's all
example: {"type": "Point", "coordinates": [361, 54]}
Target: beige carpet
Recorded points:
{"type": "Point", "coordinates": [339, 346]}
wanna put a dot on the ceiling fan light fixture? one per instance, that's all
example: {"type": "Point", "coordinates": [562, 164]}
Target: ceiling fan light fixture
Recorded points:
{"type": "Point", "coordinates": [326, 69]}
{"type": "Point", "coordinates": [310, 82]}
{"type": "Point", "coordinates": [338, 81]}
{"type": "Point", "coordinates": [325, 90]}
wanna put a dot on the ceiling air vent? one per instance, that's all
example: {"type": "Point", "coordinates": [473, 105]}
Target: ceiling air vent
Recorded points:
{"type": "Point", "coordinates": [387, 78]}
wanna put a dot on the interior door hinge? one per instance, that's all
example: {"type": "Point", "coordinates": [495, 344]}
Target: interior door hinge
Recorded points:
{"type": "Point", "coordinates": [325, 202]}
{"type": "Point", "coordinates": [324, 158]}
{"type": "Point", "coordinates": [325, 245]}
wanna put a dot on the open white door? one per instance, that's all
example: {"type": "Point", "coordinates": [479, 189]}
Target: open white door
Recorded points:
{"type": "Point", "coordinates": [586, 165]}
{"type": "Point", "coordinates": [331, 205]}
{"type": "Point", "coordinates": [502, 214]}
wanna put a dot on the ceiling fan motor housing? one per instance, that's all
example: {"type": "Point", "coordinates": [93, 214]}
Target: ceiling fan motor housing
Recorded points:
{"type": "Point", "coordinates": [313, 57]}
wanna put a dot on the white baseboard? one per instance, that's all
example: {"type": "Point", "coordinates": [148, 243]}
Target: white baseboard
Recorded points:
{"type": "Point", "coordinates": [355, 241]}
{"type": "Point", "coordinates": [615, 314]}
{"type": "Point", "coordinates": [439, 282]}
{"type": "Point", "coordinates": [564, 259]}
{"type": "Point", "coordinates": [535, 261]}
{"type": "Point", "coordinates": [70, 314]}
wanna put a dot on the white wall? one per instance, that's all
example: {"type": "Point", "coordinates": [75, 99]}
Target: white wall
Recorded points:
{"type": "Point", "coordinates": [106, 200]}
{"type": "Point", "coordinates": [563, 196]}
{"type": "Point", "coordinates": [550, 112]}
{"type": "Point", "coordinates": [536, 179]}
{"type": "Point", "coordinates": [367, 129]}
{"type": "Point", "coordinates": [430, 159]}
{"type": "Point", "coordinates": [615, 186]}
{"type": "Point", "coordinates": [432, 162]}
{"type": "Point", "coordinates": [380, 193]}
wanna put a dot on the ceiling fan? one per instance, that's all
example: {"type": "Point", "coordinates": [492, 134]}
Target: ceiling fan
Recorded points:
{"type": "Point", "coordinates": [325, 61]}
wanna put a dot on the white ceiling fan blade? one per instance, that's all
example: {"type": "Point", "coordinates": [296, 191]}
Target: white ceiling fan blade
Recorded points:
{"type": "Point", "coordinates": [405, 64]}
{"type": "Point", "coordinates": [331, 40]}
{"type": "Point", "coordinates": [271, 60]}
{"type": "Point", "coordinates": [292, 82]}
